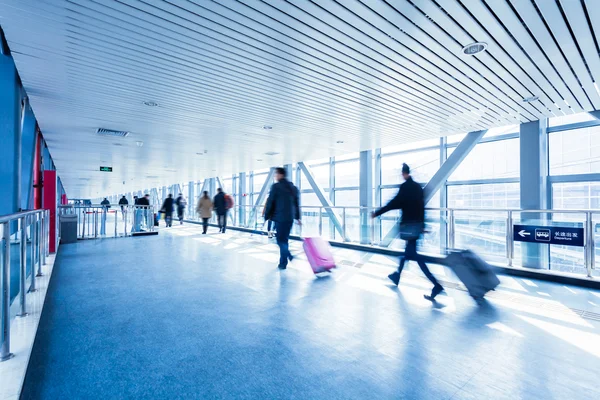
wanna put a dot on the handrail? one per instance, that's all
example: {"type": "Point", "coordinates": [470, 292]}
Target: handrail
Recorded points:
{"type": "Point", "coordinates": [18, 215]}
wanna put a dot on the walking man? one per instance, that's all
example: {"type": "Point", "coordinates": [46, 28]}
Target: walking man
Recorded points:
{"type": "Point", "coordinates": [410, 200]}
{"type": "Point", "coordinates": [283, 207]}
{"type": "Point", "coordinates": [220, 206]}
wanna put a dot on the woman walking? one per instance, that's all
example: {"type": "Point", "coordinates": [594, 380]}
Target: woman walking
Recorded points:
{"type": "Point", "coordinates": [204, 209]}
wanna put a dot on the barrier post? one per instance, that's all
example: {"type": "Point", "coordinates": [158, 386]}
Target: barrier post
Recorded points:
{"type": "Point", "coordinates": [5, 353]}
{"type": "Point", "coordinates": [23, 267]}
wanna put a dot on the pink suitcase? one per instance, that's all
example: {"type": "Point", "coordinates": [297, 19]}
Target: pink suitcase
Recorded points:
{"type": "Point", "coordinates": [319, 254]}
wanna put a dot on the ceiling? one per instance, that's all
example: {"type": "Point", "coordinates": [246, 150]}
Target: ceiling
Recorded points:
{"type": "Point", "coordinates": [330, 77]}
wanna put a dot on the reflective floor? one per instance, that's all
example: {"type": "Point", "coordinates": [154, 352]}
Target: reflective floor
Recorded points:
{"type": "Point", "coordinates": [184, 315]}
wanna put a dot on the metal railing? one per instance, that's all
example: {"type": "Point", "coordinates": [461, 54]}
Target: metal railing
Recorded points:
{"type": "Point", "coordinates": [488, 231]}
{"type": "Point", "coordinates": [99, 221]}
{"type": "Point", "coordinates": [30, 230]}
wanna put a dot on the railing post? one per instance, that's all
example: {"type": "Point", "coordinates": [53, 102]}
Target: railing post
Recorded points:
{"type": "Point", "coordinates": [23, 267]}
{"type": "Point", "coordinates": [82, 210]}
{"type": "Point", "coordinates": [48, 233]}
{"type": "Point", "coordinates": [589, 243]}
{"type": "Point", "coordinates": [38, 228]}
{"type": "Point", "coordinates": [451, 229]}
{"type": "Point", "coordinates": [43, 222]}
{"type": "Point", "coordinates": [344, 224]}
{"type": "Point", "coordinates": [5, 353]}
{"type": "Point", "coordinates": [34, 239]}
{"type": "Point", "coordinates": [320, 221]}
{"type": "Point", "coordinates": [509, 238]}
{"type": "Point", "coordinates": [116, 221]}
{"type": "Point", "coordinates": [372, 226]}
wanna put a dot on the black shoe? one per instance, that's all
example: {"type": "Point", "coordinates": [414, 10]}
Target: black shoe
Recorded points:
{"type": "Point", "coordinates": [282, 267]}
{"type": "Point", "coordinates": [437, 289]}
{"type": "Point", "coordinates": [204, 233]}
{"type": "Point", "coordinates": [395, 277]}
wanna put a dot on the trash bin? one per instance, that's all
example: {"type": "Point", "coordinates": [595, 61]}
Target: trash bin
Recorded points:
{"type": "Point", "coordinates": [68, 228]}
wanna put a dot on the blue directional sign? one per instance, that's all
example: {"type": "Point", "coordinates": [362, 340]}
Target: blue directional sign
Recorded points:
{"type": "Point", "coordinates": [566, 236]}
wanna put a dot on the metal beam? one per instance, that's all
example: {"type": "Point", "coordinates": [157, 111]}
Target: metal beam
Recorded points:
{"type": "Point", "coordinates": [220, 184]}
{"type": "Point", "coordinates": [262, 195]}
{"type": "Point", "coordinates": [322, 198]}
{"type": "Point", "coordinates": [441, 176]}
{"type": "Point", "coordinates": [595, 114]}
{"type": "Point", "coordinates": [242, 198]}
{"type": "Point", "coordinates": [365, 194]}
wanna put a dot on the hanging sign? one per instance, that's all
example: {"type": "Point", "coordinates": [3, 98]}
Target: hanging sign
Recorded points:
{"type": "Point", "coordinates": [106, 169]}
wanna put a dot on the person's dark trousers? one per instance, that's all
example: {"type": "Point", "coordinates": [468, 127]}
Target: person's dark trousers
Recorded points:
{"type": "Point", "coordinates": [283, 237]}
{"type": "Point", "coordinates": [168, 219]}
{"type": "Point", "coordinates": [271, 225]}
{"type": "Point", "coordinates": [222, 222]}
{"type": "Point", "coordinates": [205, 224]}
{"type": "Point", "coordinates": [180, 214]}
{"type": "Point", "coordinates": [410, 253]}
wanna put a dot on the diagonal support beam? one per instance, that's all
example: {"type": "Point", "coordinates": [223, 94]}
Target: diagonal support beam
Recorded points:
{"type": "Point", "coordinates": [595, 114]}
{"type": "Point", "coordinates": [310, 177]}
{"type": "Point", "coordinates": [441, 176]}
{"type": "Point", "coordinates": [261, 196]}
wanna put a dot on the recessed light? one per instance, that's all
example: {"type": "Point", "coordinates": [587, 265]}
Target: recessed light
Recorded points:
{"type": "Point", "coordinates": [267, 127]}
{"type": "Point", "coordinates": [474, 48]}
{"type": "Point", "coordinates": [271, 153]}
{"type": "Point", "coordinates": [151, 103]}
{"type": "Point", "coordinates": [259, 159]}
{"type": "Point", "coordinates": [139, 143]}
{"type": "Point", "coordinates": [340, 142]}
{"type": "Point", "coordinates": [531, 99]}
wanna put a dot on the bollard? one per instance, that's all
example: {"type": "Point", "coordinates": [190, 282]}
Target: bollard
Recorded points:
{"type": "Point", "coordinates": [23, 267]}
{"type": "Point", "coordinates": [32, 233]}
{"type": "Point", "coordinates": [38, 228]}
{"type": "Point", "coordinates": [5, 353]}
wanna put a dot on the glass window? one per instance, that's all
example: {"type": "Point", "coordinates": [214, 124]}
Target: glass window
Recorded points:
{"type": "Point", "coordinates": [497, 195]}
{"type": "Point", "coordinates": [345, 157]}
{"type": "Point", "coordinates": [347, 198]}
{"type": "Point", "coordinates": [576, 196]}
{"type": "Point", "coordinates": [411, 146]}
{"type": "Point", "coordinates": [423, 165]}
{"type": "Point", "coordinates": [489, 160]}
{"type": "Point", "coordinates": [258, 182]}
{"type": "Point", "coordinates": [570, 119]}
{"type": "Point", "coordinates": [309, 199]}
{"type": "Point", "coordinates": [575, 152]}
{"type": "Point", "coordinates": [502, 130]}
{"type": "Point", "coordinates": [321, 174]}
{"type": "Point", "coordinates": [347, 174]}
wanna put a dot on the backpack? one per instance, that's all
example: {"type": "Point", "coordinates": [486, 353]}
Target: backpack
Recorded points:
{"type": "Point", "coordinates": [229, 202]}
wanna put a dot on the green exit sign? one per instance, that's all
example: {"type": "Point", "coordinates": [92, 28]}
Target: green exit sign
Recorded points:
{"type": "Point", "coordinates": [106, 169]}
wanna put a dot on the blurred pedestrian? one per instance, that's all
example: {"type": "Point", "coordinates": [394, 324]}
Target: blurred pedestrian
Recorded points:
{"type": "Point", "coordinates": [411, 201]}
{"type": "Point", "coordinates": [123, 203]}
{"type": "Point", "coordinates": [167, 208]}
{"type": "Point", "coordinates": [283, 207]}
{"type": "Point", "coordinates": [181, 204]}
{"type": "Point", "coordinates": [220, 205]}
{"type": "Point", "coordinates": [204, 210]}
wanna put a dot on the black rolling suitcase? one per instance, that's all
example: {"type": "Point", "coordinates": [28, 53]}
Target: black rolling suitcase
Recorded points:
{"type": "Point", "coordinates": [477, 275]}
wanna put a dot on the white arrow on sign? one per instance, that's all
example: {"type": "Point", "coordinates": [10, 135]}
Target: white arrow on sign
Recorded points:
{"type": "Point", "coordinates": [523, 233]}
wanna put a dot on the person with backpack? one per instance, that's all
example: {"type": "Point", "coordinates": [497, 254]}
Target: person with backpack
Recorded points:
{"type": "Point", "coordinates": [181, 204]}
{"type": "Point", "coordinates": [410, 200]}
{"type": "Point", "coordinates": [221, 205]}
{"type": "Point", "coordinates": [283, 207]}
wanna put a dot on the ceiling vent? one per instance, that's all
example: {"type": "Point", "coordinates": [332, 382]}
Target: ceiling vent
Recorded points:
{"type": "Point", "coordinates": [271, 153]}
{"type": "Point", "coordinates": [110, 132]}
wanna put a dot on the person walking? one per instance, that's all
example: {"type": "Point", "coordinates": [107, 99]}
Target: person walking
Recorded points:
{"type": "Point", "coordinates": [410, 200]}
{"type": "Point", "coordinates": [123, 203]}
{"type": "Point", "coordinates": [105, 206]}
{"type": "Point", "coordinates": [204, 209]}
{"type": "Point", "coordinates": [181, 204]}
{"type": "Point", "coordinates": [143, 212]}
{"type": "Point", "coordinates": [167, 208]}
{"type": "Point", "coordinates": [220, 205]}
{"type": "Point", "coordinates": [283, 207]}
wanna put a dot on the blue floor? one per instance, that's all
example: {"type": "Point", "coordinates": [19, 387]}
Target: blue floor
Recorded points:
{"type": "Point", "coordinates": [186, 316]}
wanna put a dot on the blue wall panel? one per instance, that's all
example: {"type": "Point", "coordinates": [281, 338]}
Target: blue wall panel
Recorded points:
{"type": "Point", "coordinates": [10, 109]}
{"type": "Point", "coordinates": [27, 154]}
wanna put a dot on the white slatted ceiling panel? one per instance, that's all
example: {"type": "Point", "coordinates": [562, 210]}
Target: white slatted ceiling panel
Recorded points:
{"type": "Point", "coordinates": [367, 72]}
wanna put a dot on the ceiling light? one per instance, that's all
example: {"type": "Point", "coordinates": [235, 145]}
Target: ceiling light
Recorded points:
{"type": "Point", "coordinates": [271, 153]}
{"type": "Point", "coordinates": [139, 143]}
{"type": "Point", "coordinates": [150, 103]}
{"type": "Point", "coordinates": [267, 127]}
{"type": "Point", "coordinates": [474, 48]}
{"type": "Point", "coordinates": [259, 159]}
{"type": "Point", "coordinates": [531, 99]}
{"type": "Point", "coordinates": [199, 154]}
{"type": "Point", "coordinates": [340, 142]}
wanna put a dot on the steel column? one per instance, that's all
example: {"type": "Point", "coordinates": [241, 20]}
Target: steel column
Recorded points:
{"type": "Point", "coordinates": [365, 194]}
{"type": "Point", "coordinates": [5, 353]}
{"type": "Point", "coordinates": [23, 267]}
{"type": "Point", "coordinates": [242, 194]}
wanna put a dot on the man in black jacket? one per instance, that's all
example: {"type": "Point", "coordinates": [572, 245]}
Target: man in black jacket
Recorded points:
{"type": "Point", "coordinates": [220, 207]}
{"type": "Point", "coordinates": [123, 202]}
{"type": "Point", "coordinates": [283, 207]}
{"type": "Point", "coordinates": [410, 200]}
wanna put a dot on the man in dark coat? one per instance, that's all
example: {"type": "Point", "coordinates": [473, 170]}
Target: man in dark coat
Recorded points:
{"type": "Point", "coordinates": [410, 200]}
{"type": "Point", "coordinates": [283, 207]}
{"type": "Point", "coordinates": [167, 208]}
{"type": "Point", "coordinates": [220, 207]}
{"type": "Point", "coordinates": [181, 203]}
{"type": "Point", "coordinates": [123, 203]}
